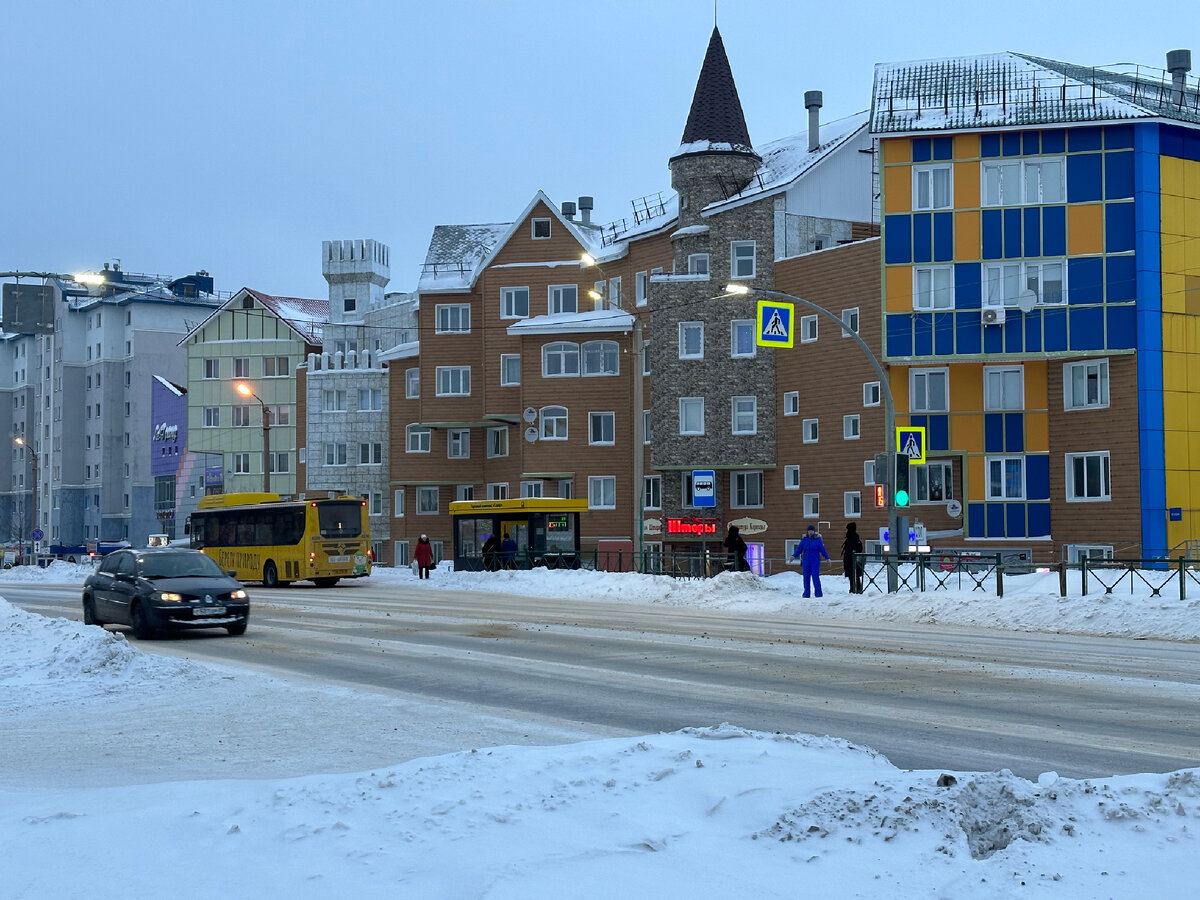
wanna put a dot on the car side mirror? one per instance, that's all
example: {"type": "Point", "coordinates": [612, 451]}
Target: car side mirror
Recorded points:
{"type": "Point", "coordinates": [231, 573]}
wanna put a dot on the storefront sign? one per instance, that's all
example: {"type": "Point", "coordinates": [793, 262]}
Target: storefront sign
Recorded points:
{"type": "Point", "coordinates": [651, 527]}
{"type": "Point", "coordinates": [695, 526]}
{"type": "Point", "coordinates": [748, 526]}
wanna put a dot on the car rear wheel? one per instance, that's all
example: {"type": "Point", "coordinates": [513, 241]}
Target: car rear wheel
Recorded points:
{"type": "Point", "coordinates": [140, 624]}
{"type": "Point", "coordinates": [325, 582]}
{"type": "Point", "coordinates": [89, 613]}
{"type": "Point", "coordinates": [239, 628]}
{"type": "Point", "coordinates": [270, 574]}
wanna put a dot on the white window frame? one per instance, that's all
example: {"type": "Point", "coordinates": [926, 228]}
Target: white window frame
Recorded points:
{"type": "Point", "coordinates": [370, 453]}
{"type": "Point", "coordinates": [998, 378]}
{"type": "Point", "coordinates": [212, 417]}
{"type": "Point", "coordinates": [241, 367]}
{"type": "Point", "coordinates": [497, 441]}
{"type": "Point", "coordinates": [743, 415]}
{"type": "Point", "coordinates": [697, 264]}
{"type": "Point", "coordinates": [921, 477]}
{"type": "Point", "coordinates": [742, 328]}
{"type": "Point", "coordinates": [852, 504]}
{"type": "Point", "coordinates": [497, 490]}
{"type": "Point", "coordinates": [425, 494]}
{"type": "Point", "coordinates": [1070, 398]}
{"type": "Point", "coordinates": [606, 422]}
{"type": "Point", "coordinates": [240, 416]}
{"type": "Point", "coordinates": [507, 361]}
{"type": "Point", "coordinates": [336, 453]}
{"type": "Point", "coordinates": [453, 318]}
{"type": "Point", "coordinates": [694, 329]}
{"type": "Point", "coordinates": [453, 381]}
{"type": "Point", "coordinates": [416, 439]}
{"type": "Point", "coordinates": [928, 295]}
{"type": "Point", "coordinates": [1008, 169]}
{"type": "Point", "coordinates": [791, 478]}
{"type": "Point", "coordinates": [412, 384]}
{"type": "Point", "coordinates": [398, 503]}
{"type": "Point", "coordinates": [335, 401]}
{"type": "Point", "coordinates": [375, 503]}
{"type": "Point", "coordinates": [808, 329]}
{"type": "Point", "coordinates": [918, 389]}
{"type": "Point", "coordinates": [511, 300]}
{"type": "Point", "coordinates": [791, 403]}
{"type": "Point", "coordinates": [553, 423]}
{"type": "Point", "coordinates": [1103, 490]}
{"type": "Point", "coordinates": [691, 405]}
{"type": "Point", "coordinates": [872, 393]}
{"type": "Point", "coordinates": [924, 186]}
{"type": "Point", "coordinates": [812, 506]}
{"type": "Point", "coordinates": [615, 294]}
{"type": "Point", "coordinates": [742, 486]}
{"type": "Point", "coordinates": [850, 321]}
{"type": "Point", "coordinates": [564, 352]}
{"type": "Point", "coordinates": [651, 492]}
{"type": "Point", "coordinates": [540, 224]}
{"type": "Point", "coordinates": [602, 492]}
{"type": "Point", "coordinates": [742, 263]}
{"type": "Point", "coordinates": [370, 400]}
{"type": "Point", "coordinates": [1001, 493]}
{"type": "Point", "coordinates": [868, 473]}
{"type": "Point", "coordinates": [1003, 281]}
{"type": "Point", "coordinates": [851, 428]}
{"type": "Point", "coordinates": [641, 288]}
{"type": "Point", "coordinates": [557, 299]}
{"type": "Point", "coordinates": [603, 353]}
{"type": "Point", "coordinates": [532, 489]}
{"type": "Point", "coordinates": [458, 443]}
{"type": "Point", "coordinates": [810, 432]}
{"type": "Point", "coordinates": [464, 492]}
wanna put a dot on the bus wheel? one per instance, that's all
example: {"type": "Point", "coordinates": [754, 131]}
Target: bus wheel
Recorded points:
{"type": "Point", "coordinates": [325, 582]}
{"type": "Point", "coordinates": [270, 574]}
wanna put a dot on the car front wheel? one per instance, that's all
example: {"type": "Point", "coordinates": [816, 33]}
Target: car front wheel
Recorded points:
{"type": "Point", "coordinates": [239, 628]}
{"type": "Point", "coordinates": [140, 623]}
{"type": "Point", "coordinates": [89, 612]}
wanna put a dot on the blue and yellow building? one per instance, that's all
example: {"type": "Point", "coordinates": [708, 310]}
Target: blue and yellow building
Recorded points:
{"type": "Point", "coordinates": [1041, 296]}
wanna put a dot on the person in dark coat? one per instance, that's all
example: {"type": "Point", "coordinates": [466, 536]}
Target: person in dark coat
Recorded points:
{"type": "Point", "coordinates": [491, 547]}
{"type": "Point", "coordinates": [423, 556]}
{"type": "Point", "coordinates": [851, 545]}
{"type": "Point", "coordinates": [508, 551]}
{"type": "Point", "coordinates": [809, 551]}
{"type": "Point", "coordinates": [736, 546]}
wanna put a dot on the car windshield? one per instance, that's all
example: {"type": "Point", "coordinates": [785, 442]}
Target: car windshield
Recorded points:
{"type": "Point", "coordinates": [178, 565]}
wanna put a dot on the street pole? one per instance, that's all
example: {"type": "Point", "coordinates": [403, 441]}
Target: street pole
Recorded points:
{"type": "Point", "coordinates": [889, 416]}
{"type": "Point", "coordinates": [639, 444]}
{"type": "Point", "coordinates": [266, 417]}
{"type": "Point", "coordinates": [34, 464]}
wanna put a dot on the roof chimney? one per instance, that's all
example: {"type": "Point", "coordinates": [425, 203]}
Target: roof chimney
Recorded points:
{"type": "Point", "coordinates": [586, 205]}
{"type": "Point", "coordinates": [568, 210]}
{"type": "Point", "coordinates": [813, 101]}
{"type": "Point", "coordinates": [1179, 63]}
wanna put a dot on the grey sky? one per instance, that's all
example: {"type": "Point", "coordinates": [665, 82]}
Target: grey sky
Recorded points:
{"type": "Point", "coordinates": [236, 135]}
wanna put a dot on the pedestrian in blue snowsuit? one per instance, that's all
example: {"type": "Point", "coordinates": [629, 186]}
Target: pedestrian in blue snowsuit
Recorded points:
{"type": "Point", "coordinates": [809, 551]}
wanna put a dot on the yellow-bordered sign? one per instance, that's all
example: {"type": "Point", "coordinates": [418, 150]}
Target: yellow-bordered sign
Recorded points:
{"type": "Point", "coordinates": [910, 442]}
{"type": "Point", "coordinates": [775, 321]}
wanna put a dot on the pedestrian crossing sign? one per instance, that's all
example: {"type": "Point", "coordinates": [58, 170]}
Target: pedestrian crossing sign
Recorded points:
{"type": "Point", "coordinates": [775, 321]}
{"type": "Point", "coordinates": [910, 442]}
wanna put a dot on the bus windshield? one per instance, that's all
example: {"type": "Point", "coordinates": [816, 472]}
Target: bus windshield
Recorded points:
{"type": "Point", "coordinates": [340, 518]}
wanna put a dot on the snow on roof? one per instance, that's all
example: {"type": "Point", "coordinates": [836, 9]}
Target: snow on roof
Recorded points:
{"type": "Point", "coordinates": [305, 317]}
{"type": "Point", "coordinates": [401, 351]}
{"type": "Point", "coordinates": [177, 390]}
{"type": "Point", "coordinates": [454, 255]}
{"type": "Point", "coordinates": [567, 323]}
{"type": "Point", "coordinates": [1012, 89]}
{"type": "Point", "coordinates": [788, 159]}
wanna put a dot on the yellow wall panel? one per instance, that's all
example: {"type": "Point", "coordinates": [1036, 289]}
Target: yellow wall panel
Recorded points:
{"type": "Point", "coordinates": [1170, 174]}
{"type": "Point", "coordinates": [966, 236]}
{"type": "Point", "coordinates": [1176, 456]}
{"type": "Point", "coordinates": [1179, 488]}
{"type": "Point", "coordinates": [1175, 405]}
{"type": "Point", "coordinates": [978, 484]}
{"type": "Point", "coordinates": [1037, 432]}
{"type": "Point", "coordinates": [966, 146]}
{"type": "Point", "coordinates": [1174, 297]}
{"type": "Point", "coordinates": [1035, 384]}
{"type": "Point", "coordinates": [966, 433]}
{"type": "Point", "coordinates": [898, 380]}
{"type": "Point", "coordinates": [1194, 455]}
{"type": "Point", "coordinates": [897, 150]}
{"type": "Point", "coordinates": [1085, 231]}
{"type": "Point", "coordinates": [966, 388]}
{"type": "Point", "coordinates": [966, 185]}
{"type": "Point", "coordinates": [897, 189]}
{"type": "Point", "coordinates": [898, 284]}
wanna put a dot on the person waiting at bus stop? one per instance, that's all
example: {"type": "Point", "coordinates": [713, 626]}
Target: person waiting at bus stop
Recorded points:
{"type": "Point", "coordinates": [809, 551]}
{"type": "Point", "coordinates": [508, 551]}
{"type": "Point", "coordinates": [423, 556]}
{"type": "Point", "coordinates": [490, 550]}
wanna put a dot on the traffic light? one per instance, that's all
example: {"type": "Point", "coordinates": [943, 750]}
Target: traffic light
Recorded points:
{"type": "Point", "coordinates": [880, 496]}
{"type": "Point", "coordinates": [901, 480]}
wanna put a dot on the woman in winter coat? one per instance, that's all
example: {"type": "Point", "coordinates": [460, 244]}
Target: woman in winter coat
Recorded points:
{"type": "Point", "coordinates": [736, 545]}
{"type": "Point", "coordinates": [851, 545]}
{"type": "Point", "coordinates": [423, 556]}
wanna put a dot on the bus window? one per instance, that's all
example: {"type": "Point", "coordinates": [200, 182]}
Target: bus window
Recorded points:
{"type": "Point", "coordinates": [340, 518]}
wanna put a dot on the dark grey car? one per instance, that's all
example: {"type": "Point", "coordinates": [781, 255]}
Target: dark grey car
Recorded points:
{"type": "Point", "coordinates": [161, 589]}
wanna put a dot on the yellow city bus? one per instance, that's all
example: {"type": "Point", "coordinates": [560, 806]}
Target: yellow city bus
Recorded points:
{"type": "Point", "coordinates": [259, 537]}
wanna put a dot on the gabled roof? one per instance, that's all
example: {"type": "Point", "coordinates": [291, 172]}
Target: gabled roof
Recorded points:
{"type": "Point", "coordinates": [177, 389]}
{"type": "Point", "coordinates": [303, 316]}
{"type": "Point", "coordinates": [715, 122]}
{"type": "Point", "coordinates": [786, 161]}
{"type": "Point", "coordinates": [1011, 89]}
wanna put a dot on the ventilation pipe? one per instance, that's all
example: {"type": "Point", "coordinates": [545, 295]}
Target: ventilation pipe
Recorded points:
{"type": "Point", "coordinates": [813, 101]}
{"type": "Point", "coordinates": [1179, 63]}
{"type": "Point", "coordinates": [568, 210]}
{"type": "Point", "coordinates": [586, 205]}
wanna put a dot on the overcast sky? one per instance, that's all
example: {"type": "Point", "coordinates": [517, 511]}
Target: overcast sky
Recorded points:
{"type": "Point", "coordinates": [236, 135]}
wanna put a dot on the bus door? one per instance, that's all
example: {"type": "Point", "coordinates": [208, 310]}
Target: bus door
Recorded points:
{"type": "Point", "coordinates": [518, 531]}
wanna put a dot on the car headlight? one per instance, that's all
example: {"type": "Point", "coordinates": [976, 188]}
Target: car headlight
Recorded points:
{"type": "Point", "coordinates": [167, 598]}
{"type": "Point", "coordinates": [238, 595]}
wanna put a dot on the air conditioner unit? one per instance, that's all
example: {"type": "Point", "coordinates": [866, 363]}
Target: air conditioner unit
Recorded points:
{"type": "Point", "coordinates": [993, 316]}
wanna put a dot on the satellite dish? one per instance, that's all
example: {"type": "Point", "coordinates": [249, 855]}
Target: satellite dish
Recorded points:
{"type": "Point", "coordinates": [1026, 300]}
{"type": "Point", "coordinates": [530, 414]}
{"type": "Point", "coordinates": [531, 434]}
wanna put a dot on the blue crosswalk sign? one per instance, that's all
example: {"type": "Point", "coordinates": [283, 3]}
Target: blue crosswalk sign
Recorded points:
{"type": "Point", "coordinates": [910, 442]}
{"type": "Point", "coordinates": [775, 320]}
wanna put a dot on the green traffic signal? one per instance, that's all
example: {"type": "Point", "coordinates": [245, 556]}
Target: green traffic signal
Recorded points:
{"type": "Point", "coordinates": [902, 498]}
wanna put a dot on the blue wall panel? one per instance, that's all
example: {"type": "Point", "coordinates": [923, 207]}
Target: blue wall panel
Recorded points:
{"type": "Point", "coordinates": [1054, 140]}
{"type": "Point", "coordinates": [995, 519]}
{"type": "Point", "coordinates": [1117, 137]}
{"type": "Point", "coordinates": [1083, 178]}
{"type": "Point", "coordinates": [938, 434]}
{"type": "Point", "coordinates": [922, 150]}
{"type": "Point", "coordinates": [1118, 227]}
{"type": "Point", "coordinates": [943, 147]}
{"type": "Point", "coordinates": [1012, 234]}
{"type": "Point", "coordinates": [943, 236]}
{"type": "Point", "coordinates": [1122, 327]}
{"type": "Point", "coordinates": [1014, 432]}
{"type": "Point", "coordinates": [1039, 519]}
{"type": "Point", "coordinates": [966, 285]}
{"type": "Point", "coordinates": [1030, 143]}
{"type": "Point", "coordinates": [1054, 230]}
{"type": "Point", "coordinates": [992, 225]}
{"type": "Point", "coordinates": [975, 526]}
{"type": "Point", "coordinates": [899, 334]}
{"type": "Point", "coordinates": [1010, 143]}
{"type": "Point", "coordinates": [943, 333]}
{"type": "Point", "coordinates": [1014, 332]}
{"type": "Point", "coordinates": [1014, 515]}
{"type": "Point", "coordinates": [1037, 477]}
{"type": "Point", "coordinates": [1118, 175]}
{"type": "Point", "coordinates": [1120, 277]}
{"type": "Point", "coordinates": [1084, 138]}
{"type": "Point", "coordinates": [922, 237]}
{"type": "Point", "coordinates": [922, 334]}
{"type": "Point", "coordinates": [989, 144]}
{"type": "Point", "coordinates": [898, 237]}
{"type": "Point", "coordinates": [993, 338]}
{"type": "Point", "coordinates": [1087, 328]}
{"type": "Point", "coordinates": [993, 432]}
{"type": "Point", "coordinates": [1085, 279]}
{"type": "Point", "coordinates": [970, 332]}
{"type": "Point", "coordinates": [1054, 329]}
{"type": "Point", "coordinates": [1033, 331]}
{"type": "Point", "coordinates": [1033, 231]}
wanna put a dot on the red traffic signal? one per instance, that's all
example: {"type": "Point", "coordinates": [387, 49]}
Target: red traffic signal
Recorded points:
{"type": "Point", "coordinates": [880, 496]}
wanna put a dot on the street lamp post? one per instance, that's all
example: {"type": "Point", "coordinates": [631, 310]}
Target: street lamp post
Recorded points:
{"type": "Point", "coordinates": [33, 463]}
{"type": "Point", "coordinates": [897, 539]}
{"type": "Point", "coordinates": [245, 391]}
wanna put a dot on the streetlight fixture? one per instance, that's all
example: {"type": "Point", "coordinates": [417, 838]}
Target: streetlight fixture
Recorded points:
{"type": "Point", "coordinates": [245, 391]}
{"type": "Point", "coordinates": [898, 539]}
{"type": "Point", "coordinates": [33, 462]}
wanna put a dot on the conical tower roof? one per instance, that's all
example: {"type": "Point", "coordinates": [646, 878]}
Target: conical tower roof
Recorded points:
{"type": "Point", "coordinates": [716, 122]}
